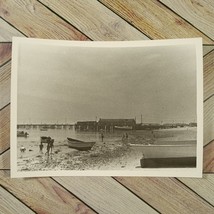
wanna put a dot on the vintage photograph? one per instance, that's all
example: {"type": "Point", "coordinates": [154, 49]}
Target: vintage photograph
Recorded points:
{"type": "Point", "coordinates": [131, 108]}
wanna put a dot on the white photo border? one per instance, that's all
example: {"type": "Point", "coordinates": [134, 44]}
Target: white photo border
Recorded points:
{"type": "Point", "coordinates": [160, 172]}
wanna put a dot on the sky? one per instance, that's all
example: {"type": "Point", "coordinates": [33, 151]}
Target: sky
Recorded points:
{"type": "Point", "coordinates": [69, 84]}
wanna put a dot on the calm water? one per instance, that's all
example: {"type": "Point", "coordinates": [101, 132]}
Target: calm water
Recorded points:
{"type": "Point", "coordinates": [142, 136]}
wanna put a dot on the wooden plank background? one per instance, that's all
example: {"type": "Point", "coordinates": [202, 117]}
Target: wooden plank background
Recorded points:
{"type": "Point", "coordinates": [106, 20]}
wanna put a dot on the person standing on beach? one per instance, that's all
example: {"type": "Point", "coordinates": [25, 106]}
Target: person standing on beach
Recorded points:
{"type": "Point", "coordinates": [41, 147]}
{"type": "Point", "coordinates": [51, 145]}
{"type": "Point", "coordinates": [127, 135]}
{"type": "Point", "coordinates": [48, 145]}
{"type": "Point", "coordinates": [102, 136]}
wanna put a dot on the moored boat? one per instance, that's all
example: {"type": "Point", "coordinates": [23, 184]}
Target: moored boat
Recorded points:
{"type": "Point", "coordinates": [22, 134]}
{"type": "Point", "coordinates": [79, 145]}
{"type": "Point", "coordinates": [43, 128]}
{"type": "Point", "coordinates": [123, 127]}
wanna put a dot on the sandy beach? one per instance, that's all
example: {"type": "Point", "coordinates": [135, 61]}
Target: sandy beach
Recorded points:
{"type": "Point", "coordinates": [104, 156]}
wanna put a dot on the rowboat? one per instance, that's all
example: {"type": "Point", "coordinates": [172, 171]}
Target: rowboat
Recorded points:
{"type": "Point", "coordinates": [166, 151]}
{"type": "Point", "coordinates": [166, 156]}
{"type": "Point", "coordinates": [79, 145]}
{"type": "Point", "coordinates": [22, 134]}
{"type": "Point", "coordinates": [123, 127]}
{"type": "Point", "coordinates": [43, 128]}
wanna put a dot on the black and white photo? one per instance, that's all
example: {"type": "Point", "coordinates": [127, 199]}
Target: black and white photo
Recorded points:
{"type": "Point", "coordinates": [132, 108]}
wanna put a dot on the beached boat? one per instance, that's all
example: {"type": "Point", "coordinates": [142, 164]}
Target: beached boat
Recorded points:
{"type": "Point", "coordinates": [123, 127]}
{"type": "Point", "coordinates": [166, 151]}
{"type": "Point", "coordinates": [22, 134]}
{"type": "Point", "coordinates": [177, 155]}
{"type": "Point", "coordinates": [79, 145]}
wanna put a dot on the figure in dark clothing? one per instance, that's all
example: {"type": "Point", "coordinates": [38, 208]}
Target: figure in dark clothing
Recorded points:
{"type": "Point", "coordinates": [48, 145]}
{"type": "Point", "coordinates": [127, 135]}
{"type": "Point", "coordinates": [102, 136]}
{"type": "Point", "coordinates": [41, 147]}
{"type": "Point", "coordinates": [51, 145]}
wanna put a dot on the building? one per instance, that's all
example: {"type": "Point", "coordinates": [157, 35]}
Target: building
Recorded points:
{"type": "Point", "coordinates": [86, 126]}
{"type": "Point", "coordinates": [112, 124]}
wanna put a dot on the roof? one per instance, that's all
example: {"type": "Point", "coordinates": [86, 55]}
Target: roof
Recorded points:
{"type": "Point", "coordinates": [117, 121]}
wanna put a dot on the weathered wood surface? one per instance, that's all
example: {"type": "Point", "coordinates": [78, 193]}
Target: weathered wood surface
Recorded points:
{"type": "Point", "coordinates": [203, 187]}
{"type": "Point", "coordinates": [154, 19]}
{"type": "Point", "coordinates": [4, 129]}
{"type": "Point", "coordinates": [207, 49]}
{"type": "Point", "coordinates": [7, 31]}
{"type": "Point", "coordinates": [208, 120]}
{"type": "Point", "coordinates": [34, 20]}
{"type": "Point", "coordinates": [5, 84]}
{"type": "Point", "coordinates": [108, 194]}
{"type": "Point", "coordinates": [165, 194]}
{"type": "Point", "coordinates": [209, 75]}
{"type": "Point", "coordinates": [5, 160]}
{"type": "Point", "coordinates": [209, 157]}
{"type": "Point", "coordinates": [107, 20]}
{"type": "Point", "coordinates": [105, 25]}
{"type": "Point", "coordinates": [198, 12]}
{"type": "Point", "coordinates": [9, 204]}
{"type": "Point", "coordinates": [44, 195]}
{"type": "Point", "coordinates": [5, 52]}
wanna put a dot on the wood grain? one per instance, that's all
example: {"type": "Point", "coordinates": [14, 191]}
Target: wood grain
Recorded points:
{"type": "Point", "coordinates": [5, 78]}
{"type": "Point", "coordinates": [207, 49]}
{"type": "Point", "coordinates": [9, 204]}
{"type": "Point", "coordinates": [5, 52]}
{"type": "Point", "coordinates": [154, 19]}
{"type": "Point", "coordinates": [198, 12]}
{"type": "Point", "coordinates": [4, 129]}
{"type": "Point", "coordinates": [208, 121]}
{"type": "Point", "coordinates": [5, 160]}
{"type": "Point", "coordinates": [203, 187]}
{"type": "Point", "coordinates": [34, 20]}
{"type": "Point", "coordinates": [209, 158]}
{"type": "Point", "coordinates": [7, 31]}
{"type": "Point", "coordinates": [44, 195]}
{"type": "Point", "coordinates": [167, 195]}
{"type": "Point", "coordinates": [105, 195]}
{"type": "Point", "coordinates": [104, 26]}
{"type": "Point", "coordinates": [209, 75]}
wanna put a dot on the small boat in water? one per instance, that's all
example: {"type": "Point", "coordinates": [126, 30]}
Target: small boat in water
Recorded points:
{"type": "Point", "coordinates": [43, 128]}
{"type": "Point", "coordinates": [22, 134]}
{"type": "Point", "coordinates": [123, 127]}
{"type": "Point", "coordinates": [79, 145]}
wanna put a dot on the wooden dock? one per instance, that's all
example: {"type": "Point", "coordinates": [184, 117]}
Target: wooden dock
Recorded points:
{"type": "Point", "coordinates": [106, 20]}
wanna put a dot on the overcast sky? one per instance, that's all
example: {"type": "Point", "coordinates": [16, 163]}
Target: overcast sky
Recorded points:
{"type": "Point", "coordinates": [68, 84]}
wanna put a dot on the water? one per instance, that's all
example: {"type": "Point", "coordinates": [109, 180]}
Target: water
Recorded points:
{"type": "Point", "coordinates": [138, 137]}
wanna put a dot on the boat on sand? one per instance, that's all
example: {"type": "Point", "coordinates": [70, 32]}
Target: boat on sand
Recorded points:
{"type": "Point", "coordinates": [22, 134]}
{"type": "Point", "coordinates": [79, 145]}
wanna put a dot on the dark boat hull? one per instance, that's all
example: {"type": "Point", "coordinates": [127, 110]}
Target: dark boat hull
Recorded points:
{"type": "Point", "coordinates": [177, 162]}
{"type": "Point", "coordinates": [79, 145]}
{"type": "Point", "coordinates": [22, 134]}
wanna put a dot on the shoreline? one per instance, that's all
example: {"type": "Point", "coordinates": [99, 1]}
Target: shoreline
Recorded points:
{"type": "Point", "coordinates": [112, 154]}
